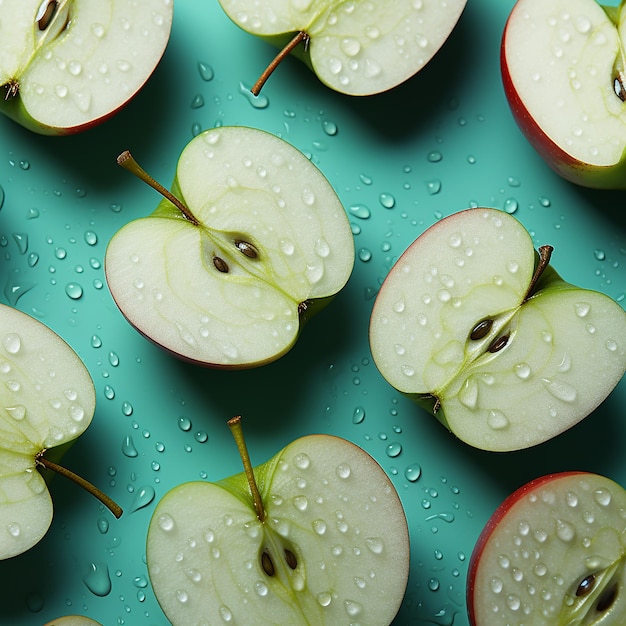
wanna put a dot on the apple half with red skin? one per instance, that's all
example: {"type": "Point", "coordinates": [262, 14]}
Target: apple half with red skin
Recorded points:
{"type": "Point", "coordinates": [250, 243]}
{"type": "Point", "coordinates": [563, 70]}
{"type": "Point", "coordinates": [67, 65]}
{"type": "Point", "coordinates": [478, 328]}
{"type": "Point", "coordinates": [356, 48]}
{"type": "Point", "coordinates": [316, 535]}
{"type": "Point", "coordinates": [554, 552]}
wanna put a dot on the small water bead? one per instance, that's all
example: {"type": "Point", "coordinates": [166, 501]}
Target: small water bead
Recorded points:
{"type": "Point", "coordinates": [184, 423]}
{"type": "Point", "coordinates": [365, 255]}
{"type": "Point", "coordinates": [12, 343]}
{"type": "Point", "coordinates": [103, 525]}
{"type": "Point", "coordinates": [206, 71]}
{"type": "Point", "coordinates": [127, 408]}
{"type": "Point", "coordinates": [109, 392]}
{"type": "Point", "coordinates": [201, 436]}
{"type": "Point", "coordinates": [128, 447]}
{"type": "Point", "coordinates": [565, 531]}
{"type": "Point", "coordinates": [511, 205]}
{"type": "Point", "coordinates": [98, 580]}
{"type": "Point", "coordinates": [197, 101]}
{"type": "Point", "coordinates": [394, 450]}
{"type": "Point", "coordinates": [602, 497]}
{"type": "Point", "coordinates": [74, 291]}
{"type": "Point", "coordinates": [387, 200]}
{"type": "Point", "coordinates": [330, 128]}
{"type": "Point", "coordinates": [144, 496]}
{"type": "Point", "coordinates": [258, 102]}
{"type": "Point", "coordinates": [433, 187]}
{"type": "Point", "coordinates": [114, 359]}
{"type": "Point", "coordinates": [358, 415]}
{"type": "Point", "coordinates": [413, 472]}
{"type": "Point", "coordinates": [361, 211]}
{"type": "Point", "coordinates": [433, 584]}
{"type": "Point", "coordinates": [600, 255]}
{"type": "Point", "coordinates": [33, 259]}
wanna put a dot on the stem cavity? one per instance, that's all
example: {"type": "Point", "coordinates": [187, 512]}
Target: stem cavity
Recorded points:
{"type": "Point", "coordinates": [293, 43]}
{"type": "Point", "coordinates": [127, 161]}
{"type": "Point", "coordinates": [41, 460]}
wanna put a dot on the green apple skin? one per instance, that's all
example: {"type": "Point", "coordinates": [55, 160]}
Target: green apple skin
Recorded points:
{"type": "Point", "coordinates": [533, 560]}
{"type": "Point", "coordinates": [336, 512]}
{"type": "Point", "coordinates": [48, 400]}
{"type": "Point", "coordinates": [516, 55]}
{"type": "Point", "coordinates": [566, 345]}
{"type": "Point", "coordinates": [220, 215]}
{"type": "Point", "coordinates": [363, 60]}
{"type": "Point", "coordinates": [57, 58]}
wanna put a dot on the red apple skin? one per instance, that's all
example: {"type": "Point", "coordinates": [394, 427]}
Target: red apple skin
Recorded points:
{"type": "Point", "coordinates": [497, 517]}
{"type": "Point", "coordinates": [578, 172]}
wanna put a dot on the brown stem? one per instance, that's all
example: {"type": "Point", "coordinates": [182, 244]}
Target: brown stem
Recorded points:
{"type": "Point", "coordinates": [235, 428]}
{"type": "Point", "coordinates": [545, 252]}
{"type": "Point", "coordinates": [127, 161]}
{"type": "Point", "coordinates": [299, 37]}
{"type": "Point", "coordinates": [81, 482]}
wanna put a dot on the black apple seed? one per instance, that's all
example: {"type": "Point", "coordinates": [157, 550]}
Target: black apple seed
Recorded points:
{"type": "Point", "coordinates": [267, 564]}
{"type": "Point", "coordinates": [586, 585]}
{"type": "Point", "coordinates": [498, 344]}
{"type": "Point", "coordinates": [246, 248]}
{"type": "Point", "coordinates": [290, 557]}
{"type": "Point", "coordinates": [220, 264]}
{"type": "Point", "coordinates": [481, 329]}
{"type": "Point", "coordinates": [46, 14]}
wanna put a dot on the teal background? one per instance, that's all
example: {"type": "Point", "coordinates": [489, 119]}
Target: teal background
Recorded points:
{"type": "Point", "coordinates": [399, 161]}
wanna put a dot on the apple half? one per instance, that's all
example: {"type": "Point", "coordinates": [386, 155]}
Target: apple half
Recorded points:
{"type": "Point", "coordinates": [47, 400]}
{"type": "Point", "coordinates": [554, 552]}
{"type": "Point", "coordinates": [251, 242]}
{"type": "Point", "coordinates": [67, 65]}
{"type": "Point", "coordinates": [316, 535]}
{"type": "Point", "coordinates": [479, 329]}
{"type": "Point", "coordinates": [563, 69]}
{"type": "Point", "coordinates": [356, 48]}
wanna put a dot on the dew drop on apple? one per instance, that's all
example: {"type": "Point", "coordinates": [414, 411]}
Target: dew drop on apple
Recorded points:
{"type": "Point", "coordinates": [560, 390]}
{"type": "Point", "coordinates": [61, 90]}
{"type": "Point", "coordinates": [12, 343]}
{"type": "Point", "coordinates": [522, 371]}
{"type": "Point", "coordinates": [564, 530]}
{"type": "Point", "coordinates": [302, 461]}
{"type": "Point", "coordinates": [98, 580]}
{"type": "Point", "coordinates": [602, 497]}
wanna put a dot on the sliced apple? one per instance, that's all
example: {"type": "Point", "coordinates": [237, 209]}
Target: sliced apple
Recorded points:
{"type": "Point", "coordinates": [479, 329]}
{"type": "Point", "coordinates": [316, 535]}
{"type": "Point", "coordinates": [554, 552]}
{"type": "Point", "coordinates": [563, 68]}
{"type": "Point", "coordinates": [357, 48]}
{"type": "Point", "coordinates": [69, 64]}
{"type": "Point", "coordinates": [250, 243]}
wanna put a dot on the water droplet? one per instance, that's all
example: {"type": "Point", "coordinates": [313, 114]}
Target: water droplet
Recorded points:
{"type": "Point", "coordinates": [197, 102]}
{"type": "Point", "coordinates": [91, 239]}
{"type": "Point", "coordinates": [435, 156]}
{"type": "Point", "coordinates": [343, 471]}
{"type": "Point", "coordinates": [258, 102]}
{"type": "Point", "coordinates": [324, 598]}
{"type": "Point", "coordinates": [387, 200]}
{"type": "Point", "coordinates": [560, 390]}
{"type": "Point", "coordinates": [497, 420]}
{"type": "Point", "coordinates": [433, 187]}
{"type": "Point", "coordinates": [602, 497]}
{"type": "Point", "coordinates": [74, 291]}
{"type": "Point", "coordinates": [206, 71]}
{"type": "Point", "coordinates": [109, 392]}
{"type": "Point", "coordinates": [511, 205]}
{"type": "Point", "coordinates": [2, 197]}
{"type": "Point", "coordinates": [127, 408]}
{"type": "Point", "coordinates": [128, 447]}
{"type": "Point", "coordinates": [201, 436]}
{"type": "Point", "coordinates": [358, 415]}
{"type": "Point", "coordinates": [564, 530]}
{"type": "Point", "coordinates": [361, 211]}
{"type": "Point", "coordinates": [21, 239]}
{"type": "Point", "coordinates": [365, 255]}
{"type": "Point", "coordinates": [302, 461]}
{"type": "Point", "coordinates": [98, 580]}
{"type": "Point", "coordinates": [114, 359]}
{"type": "Point", "coordinates": [330, 128]}
{"type": "Point", "coordinates": [522, 371]}
{"type": "Point", "coordinates": [12, 343]}
{"type": "Point", "coordinates": [143, 498]}
{"type": "Point", "coordinates": [394, 449]}
{"type": "Point", "coordinates": [103, 525]}
{"type": "Point", "coordinates": [375, 545]}
{"type": "Point", "coordinates": [413, 472]}
{"type": "Point", "coordinates": [352, 608]}
{"type": "Point", "coordinates": [184, 423]}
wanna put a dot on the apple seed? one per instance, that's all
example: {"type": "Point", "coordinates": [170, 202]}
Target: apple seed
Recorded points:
{"type": "Point", "coordinates": [46, 12]}
{"type": "Point", "coordinates": [267, 564]}
{"type": "Point", "coordinates": [481, 329]}
{"type": "Point", "coordinates": [619, 85]}
{"type": "Point", "coordinates": [220, 264]}
{"type": "Point", "coordinates": [586, 585]}
{"type": "Point", "coordinates": [246, 248]}
{"type": "Point", "coordinates": [498, 343]}
{"type": "Point", "coordinates": [291, 559]}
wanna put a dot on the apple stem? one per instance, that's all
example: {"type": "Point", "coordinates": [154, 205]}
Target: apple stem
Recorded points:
{"type": "Point", "coordinates": [81, 482]}
{"type": "Point", "coordinates": [127, 161]}
{"type": "Point", "coordinates": [299, 37]}
{"type": "Point", "coordinates": [545, 253]}
{"type": "Point", "coordinates": [235, 428]}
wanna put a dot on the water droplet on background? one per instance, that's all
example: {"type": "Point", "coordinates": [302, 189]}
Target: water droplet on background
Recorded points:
{"type": "Point", "coordinates": [98, 580]}
{"type": "Point", "coordinates": [358, 415]}
{"type": "Point", "coordinates": [143, 498]}
{"type": "Point", "coordinates": [258, 102]}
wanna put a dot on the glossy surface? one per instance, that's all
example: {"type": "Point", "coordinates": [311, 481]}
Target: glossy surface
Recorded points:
{"type": "Point", "coordinates": [399, 161]}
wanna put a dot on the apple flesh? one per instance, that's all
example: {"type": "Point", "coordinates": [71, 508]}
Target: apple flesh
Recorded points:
{"type": "Point", "coordinates": [554, 552]}
{"type": "Point", "coordinates": [47, 400]}
{"type": "Point", "coordinates": [68, 65]}
{"type": "Point", "coordinates": [257, 243]}
{"type": "Point", "coordinates": [354, 48]}
{"type": "Point", "coordinates": [73, 620]}
{"type": "Point", "coordinates": [480, 330]}
{"type": "Point", "coordinates": [564, 76]}
{"type": "Point", "coordinates": [323, 539]}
